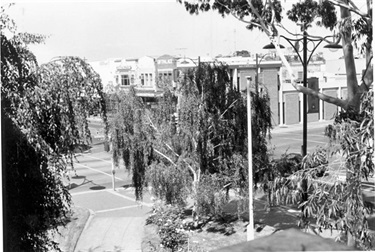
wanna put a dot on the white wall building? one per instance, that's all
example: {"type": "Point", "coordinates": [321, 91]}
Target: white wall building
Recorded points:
{"type": "Point", "coordinates": [126, 73]}
{"type": "Point", "coordinates": [147, 73]}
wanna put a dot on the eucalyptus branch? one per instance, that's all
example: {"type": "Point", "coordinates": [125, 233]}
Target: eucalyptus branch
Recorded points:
{"type": "Point", "coordinates": [262, 24]}
{"type": "Point", "coordinates": [195, 174]}
{"type": "Point", "coordinates": [333, 100]}
{"type": "Point", "coordinates": [225, 186]}
{"type": "Point", "coordinates": [156, 129]}
{"type": "Point", "coordinates": [273, 16]}
{"type": "Point", "coordinates": [352, 8]}
{"type": "Point", "coordinates": [305, 90]}
{"type": "Point", "coordinates": [152, 124]}
{"type": "Point", "coordinates": [170, 148]}
{"type": "Point", "coordinates": [163, 155]}
{"type": "Point", "coordinates": [353, 4]}
{"type": "Point", "coordinates": [365, 72]}
{"type": "Point", "coordinates": [230, 106]}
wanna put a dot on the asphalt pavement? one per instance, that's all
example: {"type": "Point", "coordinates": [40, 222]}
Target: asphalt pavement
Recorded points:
{"type": "Point", "coordinates": [288, 138]}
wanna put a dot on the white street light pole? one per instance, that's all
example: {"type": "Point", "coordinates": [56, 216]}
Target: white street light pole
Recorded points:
{"type": "Point", "coordinates": [113, 175]}
{"type": "Point", "coordinates": [250, 227]}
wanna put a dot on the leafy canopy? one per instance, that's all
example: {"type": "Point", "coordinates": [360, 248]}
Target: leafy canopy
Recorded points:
{"type": "Point", "coordinates": [44, 112]}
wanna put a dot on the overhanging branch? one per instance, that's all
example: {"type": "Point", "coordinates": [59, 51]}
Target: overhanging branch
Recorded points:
{"type": "Point", "coordinates": [352, 8]}
{"type": "Point", "coordinates": [365, 79]}
{"type": "Point", "coordinates": [305, 90]}
{"type": "Point", "coordinates": [330, 99]}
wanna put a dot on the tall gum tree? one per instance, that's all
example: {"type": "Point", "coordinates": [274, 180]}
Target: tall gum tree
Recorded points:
{"type": "Point", "coordinates": [267, 16]}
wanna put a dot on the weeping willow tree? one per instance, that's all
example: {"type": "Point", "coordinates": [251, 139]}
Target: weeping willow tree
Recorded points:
{"type": "Point", "coordinates": [130, 139]}
{"type": "Point", "coordinates": [197, 132]}
{"type": "Point", "coordinates": [44, 111]}
{"type": "Point", "coordinates": [212, 119]}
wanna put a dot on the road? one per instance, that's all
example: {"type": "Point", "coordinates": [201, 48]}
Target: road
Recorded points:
{"type": "Point", "coordinates": [117, 219]}
{"type": "Point", "coordinates": [289, 139]}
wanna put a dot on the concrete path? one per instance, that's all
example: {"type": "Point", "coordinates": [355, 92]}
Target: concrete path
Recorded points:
{"type": "Point", "coordinates": [115, 228]}
{"type": "Point", "coordinates": [117, 220]}
{"type": "Point", "coordinates": [112, 234]}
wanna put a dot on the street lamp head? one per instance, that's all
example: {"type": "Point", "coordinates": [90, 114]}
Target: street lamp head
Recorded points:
{"type": "Point", "coordinates": [272, 46]}
{"type": "Point", "coordinates": [333, 47]}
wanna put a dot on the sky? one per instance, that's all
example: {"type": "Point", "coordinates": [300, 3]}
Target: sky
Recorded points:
{"type": "Point", "coordinates": [100, 30]}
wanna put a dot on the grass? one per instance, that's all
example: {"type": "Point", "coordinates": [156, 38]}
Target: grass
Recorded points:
{"type": "Point", "coordinates": [68, 235]}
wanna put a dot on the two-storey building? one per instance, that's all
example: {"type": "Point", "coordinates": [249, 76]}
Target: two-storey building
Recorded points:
{"type": "Point", "coordinates": [126, 73]}
{"type": "Point", "coordinates": [166, 70]}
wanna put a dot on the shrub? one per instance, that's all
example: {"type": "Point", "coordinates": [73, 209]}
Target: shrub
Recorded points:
{"type": "Point", "coordinates": [287, 164]}
{"type": "Point", "coordinates": [210, 196]}
{"type": "Point", "coordinates": [170, 183]}
{"type": "Point", "coordinates": [171, 226]}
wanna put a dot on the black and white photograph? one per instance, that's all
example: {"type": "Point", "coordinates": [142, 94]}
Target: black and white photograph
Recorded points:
{"type": "Point", "coordinates": [187, 125]}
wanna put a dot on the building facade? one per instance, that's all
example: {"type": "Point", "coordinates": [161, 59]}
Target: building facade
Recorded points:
{"type": "Point", "coordinates": [126, 73]}
{"type": "Point", "coordinates": [330, 76]}
{"type": "Point", "coordinates": [166, 71]}
{"type": "Point", "coordinates": [150, 75]}
{"type": "Point", "coordinates": [244, 69]}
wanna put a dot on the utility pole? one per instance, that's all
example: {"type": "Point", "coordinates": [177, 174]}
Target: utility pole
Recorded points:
{"type": "Point", "coordinates": [257, 73]}
{"type": "Point", "coordinates": [250, 227]}
{"type": "Point", "coordinates": [304, 63]}
{"type": "Point", "coordinates": [113, 175]}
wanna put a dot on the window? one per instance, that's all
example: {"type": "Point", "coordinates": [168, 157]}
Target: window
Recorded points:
{"type": "Point", "coordinates": [125, 80]}
{"type": "Point", "coordinates": [142, 79]}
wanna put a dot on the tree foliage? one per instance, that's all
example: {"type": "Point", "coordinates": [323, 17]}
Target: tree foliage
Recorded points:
{"type": "Point", "coordinates": [35, 199]}
{"type": "Point", "coordinates": [130, 140]}
{"type": "Point", "coordinates": [193, 134]}
{"type": "Point", "coordinates": [341, 204]}
{"type": "Point", "coordinates": [337, 204]}
{"type": "Point", "coordinates": [305, 13]}
{"type": "Point", "coordinates": [44, 118]}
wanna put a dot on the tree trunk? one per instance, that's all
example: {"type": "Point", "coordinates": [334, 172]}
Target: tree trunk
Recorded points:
{"type": "Point", "coordinates": [368, 75]}
{"type": "Point", "coordinates": [196, 178]}
{"type": "Point", "coordinates": [351, 73]}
